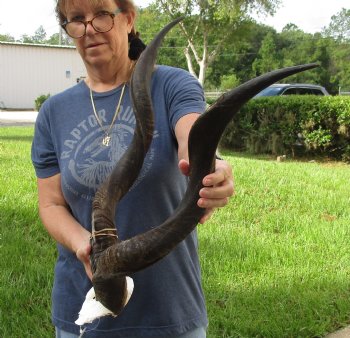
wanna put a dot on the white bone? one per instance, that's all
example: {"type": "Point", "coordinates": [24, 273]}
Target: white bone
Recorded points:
{"type": "Point", "coordinates": [93, 309]}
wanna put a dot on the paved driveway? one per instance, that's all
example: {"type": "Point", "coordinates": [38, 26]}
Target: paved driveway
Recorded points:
{"type": "Point", "coordinates": [17, 118]}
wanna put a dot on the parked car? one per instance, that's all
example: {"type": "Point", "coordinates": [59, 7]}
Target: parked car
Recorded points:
{"type": "Point", "coordinates": [292, 89]}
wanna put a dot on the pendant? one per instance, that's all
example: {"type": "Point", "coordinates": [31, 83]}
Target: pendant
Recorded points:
{"type": "Point", "coordinates": [106, 140]}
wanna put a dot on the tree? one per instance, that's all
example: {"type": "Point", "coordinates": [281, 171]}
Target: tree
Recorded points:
{"type": "Point", "coordinates": [209, 24]}
{"type": "Point", "coordinates": [339, 68]}
{"type": "Point", "coordinates": [337, 35]}
{"type": "Point", "coordinates": [229, 81]}
{"type": "Point", "coordinates": [7, 38]}
{"type": "Point", "coordinates": [297, 47]}
{"type": "Point", "coordinates": [339, 27]}
{"type": "Point", "coordinates": [149, 23]}
{"type": "Point", "coordinates": [25, 38]}
{"type": "Point", "coordinates": [56, 39]}
{"type": "Point", "coordinates": [267, 59]}
{"type": "Point", "coordinates": [39, 35]}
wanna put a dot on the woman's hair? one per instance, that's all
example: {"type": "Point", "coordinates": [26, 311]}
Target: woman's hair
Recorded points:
{"type": "Point", "coordinates": [126, 6]}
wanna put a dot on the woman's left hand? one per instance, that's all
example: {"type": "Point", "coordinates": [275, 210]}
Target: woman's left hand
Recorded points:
{"type": "Point", "coordinates": [218, 187]}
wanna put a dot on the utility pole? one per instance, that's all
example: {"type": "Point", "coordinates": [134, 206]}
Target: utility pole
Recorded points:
{"type": "Point", "coordinates": [60, 36]}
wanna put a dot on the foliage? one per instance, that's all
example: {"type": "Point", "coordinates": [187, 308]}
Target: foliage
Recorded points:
{"type": "Point", "coordinates": [150, 21]}
{"type": "Point", "coordinates": [339, 68]}
{"type": "Point", "coordinates": [298, 125]}
{"type": "Point", "coordinates": [40, 100]}
{"type": "Point", "coordinates": [38, 37]}
{"type": "Point", "coordinates": [7, 38]}
{"type": "Point", "coordinates": [219, 41]}
{"type": "Point", "coordinates": [60, 39]}
{"type": "Point", "coordinates": [267, 58]}
{"type": "Point", "coordinates": [209, 23]}
{"type": "Point", "coordinates": [229, 81]}
{"type": "Point", "coordinates": [339, 27]}
{"type": "Point", "coordinates": [318, 138]}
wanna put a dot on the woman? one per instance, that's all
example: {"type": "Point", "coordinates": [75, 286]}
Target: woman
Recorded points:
{"type": "Point", "coordinates": [80, 134]}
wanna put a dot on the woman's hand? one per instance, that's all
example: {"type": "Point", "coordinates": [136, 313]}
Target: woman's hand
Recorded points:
{"type": "Point", "coordinates": [218, 187]}
{"type": "Point", "coordinates": [83, 254]}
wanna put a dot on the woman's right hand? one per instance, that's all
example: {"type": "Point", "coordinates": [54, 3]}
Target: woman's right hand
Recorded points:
{"type": "Point", "coordinates": [83, 254]}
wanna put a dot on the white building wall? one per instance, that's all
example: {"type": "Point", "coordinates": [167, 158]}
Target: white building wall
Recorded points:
{"type": "Point", "coordinates": [28, 71]}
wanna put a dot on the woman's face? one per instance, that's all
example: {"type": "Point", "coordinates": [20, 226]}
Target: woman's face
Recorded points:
{"type": "Point", "coordinates": [100, 49]}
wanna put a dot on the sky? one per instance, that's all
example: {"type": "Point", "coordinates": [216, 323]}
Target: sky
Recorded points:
{"type": "Point", "coordinates": [24, 17]}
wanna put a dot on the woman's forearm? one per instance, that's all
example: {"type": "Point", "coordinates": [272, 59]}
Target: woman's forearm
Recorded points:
{"type": "Point", "coordinates": [63, 227]}
{"type": "Point", "coordinates": [56, 216]}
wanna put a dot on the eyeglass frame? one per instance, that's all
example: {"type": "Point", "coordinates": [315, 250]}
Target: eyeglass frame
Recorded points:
{"type": "Point", "coordinates": [85, 23]}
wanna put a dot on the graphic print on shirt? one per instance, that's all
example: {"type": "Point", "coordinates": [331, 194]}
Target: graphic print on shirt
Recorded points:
{"type": "Point", "coordinates": [89, 161]}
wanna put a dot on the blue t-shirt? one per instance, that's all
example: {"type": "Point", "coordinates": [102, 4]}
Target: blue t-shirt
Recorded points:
{"type": "Point", "coordinates": [167, 297]}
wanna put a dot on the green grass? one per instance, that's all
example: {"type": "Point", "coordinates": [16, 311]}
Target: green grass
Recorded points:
{"type": "Point", "coordinates": [27, 254]}
{"type": "Point", "coordinates": [276, 261]}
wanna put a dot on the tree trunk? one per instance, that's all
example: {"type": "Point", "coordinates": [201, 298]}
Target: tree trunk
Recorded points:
{"type": "Point", "coordinates": [202, 70]}
{"type": "Point", "coordinates": [189, 62]}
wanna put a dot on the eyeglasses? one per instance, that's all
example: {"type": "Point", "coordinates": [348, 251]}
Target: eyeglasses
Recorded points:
{"type": "Point", "coordinates": [101, 23]}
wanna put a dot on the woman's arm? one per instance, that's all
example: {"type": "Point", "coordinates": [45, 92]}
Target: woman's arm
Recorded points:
{"type": "Point", "coordinates": [218, 186]}
{"type": "Point", "coordinates": [59, 222]}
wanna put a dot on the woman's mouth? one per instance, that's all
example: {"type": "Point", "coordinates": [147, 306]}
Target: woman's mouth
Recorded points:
{"type": "Point", "coordinates": [94, 45]}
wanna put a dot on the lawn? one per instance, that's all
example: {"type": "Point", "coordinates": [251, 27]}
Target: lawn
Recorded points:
{"type": "Point", "coordinates": [276, 261]}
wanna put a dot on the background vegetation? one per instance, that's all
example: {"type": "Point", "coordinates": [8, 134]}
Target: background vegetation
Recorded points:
{"type": "Point", "coordinates": [294, 125]}
{"type": "Point", "coordinates": [275, 260]}
{"type": "Point", "coordinates": [236, 48]}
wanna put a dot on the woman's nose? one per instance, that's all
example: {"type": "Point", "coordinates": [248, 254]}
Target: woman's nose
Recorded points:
{"type": "Point", "coordinates": [89, 28]}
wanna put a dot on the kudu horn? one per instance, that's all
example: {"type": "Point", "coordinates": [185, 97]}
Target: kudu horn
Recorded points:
{"type": "Point", "coordinates": [112, 259]}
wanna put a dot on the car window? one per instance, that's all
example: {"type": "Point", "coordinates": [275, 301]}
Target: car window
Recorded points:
{"type": "Point", "coordinates": [275, 90]}
{"type": "Point", "coordinates": [302, 91]}
{"type": "Point", "coordinates": [317, 92]}
{"type": "Point", "coordinates": [270, 91]}
{"type": "Point", "coordinates": [306, 91]}
{"type": "Point", "coordinates": [291, 91]}
{"type": "Point", "coordinates": [310, 91]}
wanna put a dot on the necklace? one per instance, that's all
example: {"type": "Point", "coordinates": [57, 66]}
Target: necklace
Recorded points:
{"type": "Point", "coordinates": [107, 138]}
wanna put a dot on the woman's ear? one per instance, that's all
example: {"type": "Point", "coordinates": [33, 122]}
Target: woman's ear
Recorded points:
{"type": "Point", "coordinates": [130, 16]}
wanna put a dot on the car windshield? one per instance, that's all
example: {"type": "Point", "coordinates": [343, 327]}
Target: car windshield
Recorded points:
{"type": "Point", "coordinates": [270, 91]}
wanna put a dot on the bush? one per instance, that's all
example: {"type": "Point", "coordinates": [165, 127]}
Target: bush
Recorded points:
{"type": "Point", "coordinates": [298, 125]}
{"type": "Point", "coordinates": [229, 81]}
{"type": "Point", "coordinates": [40, 100]}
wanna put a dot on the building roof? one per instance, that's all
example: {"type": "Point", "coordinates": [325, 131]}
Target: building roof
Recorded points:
{"type": "Point", "coordinates": [35, 45]}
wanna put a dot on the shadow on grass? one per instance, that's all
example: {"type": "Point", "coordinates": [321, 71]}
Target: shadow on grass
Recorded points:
{"type": "Point", "coordinates": [17, 138]}
{"type": "Point", "coordinates": [20, 133]}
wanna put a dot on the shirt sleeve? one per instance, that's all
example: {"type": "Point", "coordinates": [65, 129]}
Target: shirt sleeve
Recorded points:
{"type": "Point", "coordinates": [43, 153]}
{"type": "Point", "coordinates": [184, 95]}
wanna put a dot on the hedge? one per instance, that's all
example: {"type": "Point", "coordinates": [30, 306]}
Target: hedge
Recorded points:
{"type": "Point", "coordinates": [40, 100]}
{"type": "Point", "coordinates": [296, 125]}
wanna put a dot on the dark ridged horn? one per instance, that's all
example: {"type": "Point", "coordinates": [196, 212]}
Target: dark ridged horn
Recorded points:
{"type": "Point", "coordinates": [110, 289]}
{"type": "Point", "coordinates": [115, 259]}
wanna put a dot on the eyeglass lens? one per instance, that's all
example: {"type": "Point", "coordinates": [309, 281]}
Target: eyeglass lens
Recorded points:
{"type": "Point", "coordinates": [101, 23]}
